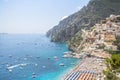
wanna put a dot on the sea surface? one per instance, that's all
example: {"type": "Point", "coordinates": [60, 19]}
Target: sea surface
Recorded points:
{"type": "Point", "coordinates": [33, 57]}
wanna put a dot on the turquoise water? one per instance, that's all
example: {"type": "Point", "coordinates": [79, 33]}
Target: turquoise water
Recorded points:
{"type": "Point", "coordinates": [37, 54]}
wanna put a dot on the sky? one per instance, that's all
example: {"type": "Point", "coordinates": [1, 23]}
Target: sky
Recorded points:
{"type": "Point", "coordinates": [35, 16]}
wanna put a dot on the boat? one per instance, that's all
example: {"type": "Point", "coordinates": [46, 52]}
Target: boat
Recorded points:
{"type": "Point", "coordinates": [61, 64]}
{"type": "Point", "coordinates": [25, 58]}
{"type": "Point", "coordinates": [36, 64]}
{"type": "Point", "coordinates": [48, 58]}
{"type": "Point", "coordinates": [44, 66]}
{"type": "Point", "coordinates": [33, 76]}
{"type": "Point", "coordinates": [33, 73]}
{"type": "Point", "coordinates": [22, 65]}
{"type": "Point", "coordinates": [7, 65]}
{"type": "Point", "coordinates": [55, 57]}
{"type": "Point", "coordinates": [10, 70]}
{"type": "Point", "coordinates": [68, 52]}
{"type": "Point", "coordinates": [10, 56]}
{"type": "Point", "coordinates": [65, 56]}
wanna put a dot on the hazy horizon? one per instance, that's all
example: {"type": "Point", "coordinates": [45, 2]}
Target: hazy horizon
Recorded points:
{"type": "Point", "coordinates": [35, 16]}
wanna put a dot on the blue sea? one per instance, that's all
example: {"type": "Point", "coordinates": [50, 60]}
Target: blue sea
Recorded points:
{"type": "Point", "coordinates": [33, 57]}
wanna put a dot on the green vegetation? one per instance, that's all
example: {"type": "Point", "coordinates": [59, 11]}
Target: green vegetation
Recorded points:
{"type": "Point", "coordinates": [114, 61]}
{"type": "Point", "coordinates": [113, 67]}
{"type": "Point", "coordinates": [117, 42]}
{"type": "Point", "coordinates": [111, 51]}
{"type": "Point", "coordinates": [118, 18]}
{"type": "Point", "coordinates": [76, 40]}
{"type": "Point", "coordinates": [110, 76]}
{"type": "Point", "coordinates": [95, 11]}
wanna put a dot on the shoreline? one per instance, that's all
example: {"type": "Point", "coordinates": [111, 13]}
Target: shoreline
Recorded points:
{"type": "Point", "coordinates": [69, 70]}
{"type": "Point", "coordinates": [94, 64]}
{"type": "Point", "coordinates": [95, 44]}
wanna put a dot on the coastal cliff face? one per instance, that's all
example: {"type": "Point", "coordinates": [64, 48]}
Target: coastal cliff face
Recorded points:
{"type": "Point", "coordinates": [95, 11]}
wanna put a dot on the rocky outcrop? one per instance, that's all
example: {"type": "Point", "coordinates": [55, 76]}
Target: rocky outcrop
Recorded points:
{"type": "Point", "coordinates": [95, 11]}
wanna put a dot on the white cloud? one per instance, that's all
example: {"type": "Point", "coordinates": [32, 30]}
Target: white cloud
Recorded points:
{"type": "Point", "coordinates": [64, 17]}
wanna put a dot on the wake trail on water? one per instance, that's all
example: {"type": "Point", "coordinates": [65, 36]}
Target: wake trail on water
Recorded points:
{"type": "Point", "coordinates": [17, 65]}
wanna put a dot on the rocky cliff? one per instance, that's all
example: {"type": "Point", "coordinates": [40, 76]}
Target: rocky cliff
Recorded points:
{"type": "Point", "coordinates": [95, 11]}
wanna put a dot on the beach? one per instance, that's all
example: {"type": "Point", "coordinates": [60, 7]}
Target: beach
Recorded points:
{"type": "Point", "coordinates": [90, 68]}
{"type": "Point", "coordinates": [95, 46]}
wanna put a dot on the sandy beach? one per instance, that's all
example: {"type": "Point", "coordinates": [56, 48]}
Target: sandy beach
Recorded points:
{"type": "Point", "coordinates": [90, 68]}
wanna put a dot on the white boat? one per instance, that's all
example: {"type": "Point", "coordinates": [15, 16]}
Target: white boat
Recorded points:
{"type": "Point", "coordinates": [33, 76]}
{"type": "Point", "coordinates": [10, 55]}
{"type": "Point", "coordinates": [33, 73]}
{"type": "Point", "coordinates": [10, 70]}
{"type": "Point", "coordinates": [36, 64]}
{"type": "Point", "coordinates": [22, 65]}
{"type": "Point", "coordinates": [25, 58]}
{"type": "Point", "coordinates": [61, 64]}
{"type": "Point", "coordinates": [65, 56]}
{"type": "Point", "coordinates": [44, 66]}
{"type": "Point", "coordinates": [68, 52]}
{"type": "Point", "coordinates": [55, 57]}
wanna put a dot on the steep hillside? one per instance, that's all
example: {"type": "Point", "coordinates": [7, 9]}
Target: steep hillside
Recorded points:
{"type": "Point", "coordinates": [95, 11]}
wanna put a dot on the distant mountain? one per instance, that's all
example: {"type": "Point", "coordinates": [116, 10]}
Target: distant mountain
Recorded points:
{"type": "Point", "coordinates": [95, 11]}
{"type": "Point", "coordinates": [3, 33]}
